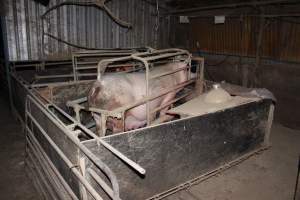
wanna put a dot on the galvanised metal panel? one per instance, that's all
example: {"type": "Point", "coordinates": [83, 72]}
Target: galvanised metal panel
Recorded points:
{"type": "Point", "coordinates": [176, 152]}
{"type": "Point", "coordinates": [81, 25]}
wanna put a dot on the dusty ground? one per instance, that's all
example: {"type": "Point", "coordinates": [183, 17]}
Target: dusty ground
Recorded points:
{"type": "Point", "coordinates": [269, 176]}
{"type": "Point", "coordinates": [14, 184]}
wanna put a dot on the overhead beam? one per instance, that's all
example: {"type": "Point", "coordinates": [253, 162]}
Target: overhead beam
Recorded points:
{"type": "Point", "coordinates": [232, 5]}
{"type": "Point", "coordinates": [251, 15]}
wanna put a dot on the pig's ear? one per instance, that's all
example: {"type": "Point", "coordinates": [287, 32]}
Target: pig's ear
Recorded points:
{"type": "Point", "coordinates": [92, 96]}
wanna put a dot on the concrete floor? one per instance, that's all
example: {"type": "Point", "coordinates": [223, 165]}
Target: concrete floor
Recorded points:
{"type": "Point", "coordinates": [268, 176]}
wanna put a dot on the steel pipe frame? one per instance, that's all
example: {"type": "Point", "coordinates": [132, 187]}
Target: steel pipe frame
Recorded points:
{"type": "Point", "coordinates": [117, 153]}
{"type": "Point", "coordinates": [144, 58]}
{"type": "Point", "coordinates": [119, 112]}
{"type": "Point", "coordinates": [99, 54]}
{"type": "Point", "coordinates": [94, 136]}
{"type": "Point", "coordinates": [41, 158]}
{"type": "Point", "coordinates": [76, 172]}
{"type": "Point", "coordinates": [31, 89]}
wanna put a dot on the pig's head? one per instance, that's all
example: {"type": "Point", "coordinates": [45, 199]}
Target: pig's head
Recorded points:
{"type": "Point", "coordinates": [101, 97]}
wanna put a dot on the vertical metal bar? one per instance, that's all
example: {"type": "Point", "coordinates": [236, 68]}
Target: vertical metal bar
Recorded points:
{"type": "Point", "coordinates": [74, 64]}
{"type": "Point", "coordinates": [297, 181]}
{"type": "Point", "coordinates": [268, 127]}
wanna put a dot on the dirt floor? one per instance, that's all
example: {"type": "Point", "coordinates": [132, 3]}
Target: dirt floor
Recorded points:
{"type": "Point", "coordinates": [268, 176]}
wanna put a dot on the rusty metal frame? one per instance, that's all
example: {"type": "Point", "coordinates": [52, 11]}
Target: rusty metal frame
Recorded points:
{"type": "Point", "coordinates": [69, 134]}
{"type": "Point", "coordinates": [99, 54]}
{"type": "Point", "coordinates": [74, 63]}
{"type": "Point", "coordinates": [43, 163]}
{"type": "Point", "coordinates": [146, 58]}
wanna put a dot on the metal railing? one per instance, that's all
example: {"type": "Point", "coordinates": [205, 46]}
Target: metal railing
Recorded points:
{"type": "Point", "coordinates": [112, 192]}
{"type": "Point", "coordinates": [171, 55]}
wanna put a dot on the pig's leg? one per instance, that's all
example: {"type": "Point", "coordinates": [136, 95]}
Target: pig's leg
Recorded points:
{"type": "Point", "coordinates": [169, 97]}
{"type": "Point", "coordinates": [97, 119]}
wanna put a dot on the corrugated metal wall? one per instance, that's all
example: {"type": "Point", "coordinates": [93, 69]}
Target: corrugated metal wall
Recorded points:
{"type": "Point", "coordinates": [238, 36]}
{"type": "Point", "coordinates": [85, 26]}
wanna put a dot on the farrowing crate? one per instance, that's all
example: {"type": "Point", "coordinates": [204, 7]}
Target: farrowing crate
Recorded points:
{"type": "Point", "coordinates": [174, 155]}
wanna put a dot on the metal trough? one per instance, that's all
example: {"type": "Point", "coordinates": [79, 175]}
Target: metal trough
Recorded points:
{"type": "Point", "coordinates": [148, 163]}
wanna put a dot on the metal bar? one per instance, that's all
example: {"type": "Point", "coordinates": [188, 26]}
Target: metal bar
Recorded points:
{"type": "Point", "coordinates": [167, 55]}
{"type": "Point", "coordinates": [40, 175]}
{"type": "Point", "coordinates": [146, 64]}
{"type": "Point", "coordinates": [54, 183]}
{"type": "Point", "coordinates": [74, 64]}
{"type": "Point", "coordinates": [77, 101]}
{"type": "Point", "coordinates": [153, 97]}
{"type": "Point", "coordinates": [96, 160]}
{"type": "Point", "coordinates": [103, 54]}
{"type": "Point", "coordinates": [65, 159]}
{"type": "Point", "coordinates": [35, 179]}
{"type": "Point", "coordinates": [168, 73]}
{"type": "Point", "coordinates": [171, 102]}
{"type": "Point", "coordinates": [65, 76]}
{"type": "Point", "coordinates": [155, 52]}
{"type": "Point", "coordinates": [53, 76]}
{"type": "Point", "coordinates": [297, 181]}
{"type": "Point", "coordinates": [105, 187]}
{"type": "Point", "coordinates": [55, 84]}
{"type": "Point", "coordinates": [110, 66]}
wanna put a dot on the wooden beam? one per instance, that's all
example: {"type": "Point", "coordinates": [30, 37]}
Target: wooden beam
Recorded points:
{"type": "Point", "coordinates": [233, 5]}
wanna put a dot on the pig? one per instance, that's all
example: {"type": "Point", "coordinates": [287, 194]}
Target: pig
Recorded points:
{"type": "Point", "coordinates": [117, 90]}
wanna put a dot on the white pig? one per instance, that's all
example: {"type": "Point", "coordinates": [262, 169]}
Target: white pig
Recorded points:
{"type": "Point", "coordinates": [117, 90]}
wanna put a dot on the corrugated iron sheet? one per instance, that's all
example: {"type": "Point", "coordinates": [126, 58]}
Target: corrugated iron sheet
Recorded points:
{"type": "Point", "coordinates": [85, 26]}
{"type": "Point", "coordinates": [238, 36]}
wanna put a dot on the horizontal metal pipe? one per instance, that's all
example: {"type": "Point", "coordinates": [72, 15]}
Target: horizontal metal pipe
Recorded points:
{"type": "Point", "coordinates": [41, 178]}
{"type": "Point", "coordinates": [131, 163]}
{"type": "Point", "coordinates": [34, 178]}
{"type": "Point", "coordinates": [53, 76]}
{"type": "Point", "coordinates": [144, 100]}
{"type": "Point", "coordinates": [171, 102]}
{"type": "Point", "coordinates": [65, 185]}
{"type": "Point", "coordinates": [90, 155]}
{"type": "Point", "coordinates": [48, 174]}
{"type": "Point", "coordinates": [102, 54]}
{"type": "Point", "coordinates": [65, 159]}
{"type": "Point", "coordinates": [16, 67]}
{"type": "Point", "coordinates": [110, 66]}
{"type": "Point", "coordinates": [168, 73]}
{"type": "Point", "coordinates": [35, 85]}
{"type": "Point", "coordinates": [76, 101]}
{"type": "Point", "coordinates": [99, 180]}
{"type": "Point", "coordinates": [86, 151]}
{"type": "Point", "coordinates": [155, 52]}
{"type": "Point", "coordinates": [167, 55]}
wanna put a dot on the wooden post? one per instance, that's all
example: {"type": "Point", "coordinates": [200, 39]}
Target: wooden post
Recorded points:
{"type": "Point", "coordinates": [258, 51]}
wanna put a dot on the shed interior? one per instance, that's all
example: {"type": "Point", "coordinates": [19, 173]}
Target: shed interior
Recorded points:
{"type": "Point", "coordinates": [254, 44]}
